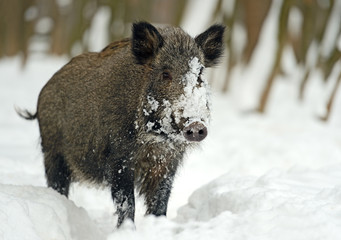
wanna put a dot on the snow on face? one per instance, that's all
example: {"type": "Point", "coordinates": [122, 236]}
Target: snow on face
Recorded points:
{"type": "Point", "coordinates": [153, 105]}
{"type": "Point", "coordinates": [191, 106]}
{"type": "Point", "coordinates": [195, 101]}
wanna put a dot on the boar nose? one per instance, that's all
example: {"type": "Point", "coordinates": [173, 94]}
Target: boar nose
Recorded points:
{"type": "Point", "coordinates": [195, 132]}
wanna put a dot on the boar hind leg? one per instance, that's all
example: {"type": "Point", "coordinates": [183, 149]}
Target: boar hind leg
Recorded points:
{"type": "Point", "coordinates": [122, 191]}
{"type": "Point", "coordinates": [58, 174]}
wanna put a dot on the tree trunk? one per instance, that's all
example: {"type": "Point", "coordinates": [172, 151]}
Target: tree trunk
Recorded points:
{"type": "Point", "coordinates": [232, 60]}
{"type": "Point", "coordinates": [281, 39]}
{"type": "Point", "coordinates": [331, 99]}
{"type": "Point", "coordinates": [255, 12]}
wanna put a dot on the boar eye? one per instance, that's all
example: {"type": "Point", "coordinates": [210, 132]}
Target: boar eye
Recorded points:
{"type": "Point", "coordinates": [167, 75]}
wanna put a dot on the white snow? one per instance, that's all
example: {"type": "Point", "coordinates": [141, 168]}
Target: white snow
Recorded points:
{"type": "Point", "coordinates": [297, 204]}
{"type": "Point", "coordinates": [149, 126]}
{"type": "Point", "coordinates": [195, 101]}
{"type": "Point", "coordinates": [154, 105]}
{"type": "Point", "coordinates": [28, 212]}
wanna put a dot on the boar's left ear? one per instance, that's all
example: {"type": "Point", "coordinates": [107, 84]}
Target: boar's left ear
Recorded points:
{"type": "Point", "coordinates": [146, 41]}
{"type": "Point", "coordinates": [211, 43]}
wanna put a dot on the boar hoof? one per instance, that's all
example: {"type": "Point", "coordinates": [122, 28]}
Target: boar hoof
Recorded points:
{"type": "Point", "coordinates": [195, 132]}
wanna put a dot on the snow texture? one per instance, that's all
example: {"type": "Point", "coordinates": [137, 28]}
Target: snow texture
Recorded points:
{"type": "Point", "coordinates": [194, 103]}
{"type": "Point", "coordinates": [28, 212]}
{"type": "Point", "coordinates": [298, 204]}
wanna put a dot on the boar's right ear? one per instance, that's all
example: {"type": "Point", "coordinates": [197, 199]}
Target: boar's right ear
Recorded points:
{"type": "Point", "coordinates": [211, 43]}
{"type": "Point", "coordinates": [146, 41]}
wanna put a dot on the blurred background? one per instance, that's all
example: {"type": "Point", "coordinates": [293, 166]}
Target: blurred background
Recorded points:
{"type": "Point", "coordinates": [271, 40]}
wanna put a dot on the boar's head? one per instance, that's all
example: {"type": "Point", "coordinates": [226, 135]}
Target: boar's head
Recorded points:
{"type": "Point", "coordinates": [176, 104]}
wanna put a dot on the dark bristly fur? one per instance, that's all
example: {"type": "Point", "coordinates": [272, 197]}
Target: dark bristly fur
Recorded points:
{"type": "Point", "coordinates": [211, 42]}
{"type": "Point", "coordinates": [92, 115]}
{"type": "Point", "coordinates": [142, 49]}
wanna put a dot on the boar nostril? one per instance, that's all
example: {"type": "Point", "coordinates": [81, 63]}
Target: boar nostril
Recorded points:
{"type": "Point", "coordinates": [195, 132]}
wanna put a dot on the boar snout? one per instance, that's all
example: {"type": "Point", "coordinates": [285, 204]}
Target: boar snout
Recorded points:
{"type": "Point", "coordinates": [195, 132]}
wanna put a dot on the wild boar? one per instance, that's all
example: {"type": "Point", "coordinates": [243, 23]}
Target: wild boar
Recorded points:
{"type": "Point", "coordinates": [124, 117]}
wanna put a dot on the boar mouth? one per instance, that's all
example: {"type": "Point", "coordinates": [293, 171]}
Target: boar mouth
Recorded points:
{"type": "Point", "coordinates": [186, 130]}
{"type": "Point", "coordinates": [156, 127]}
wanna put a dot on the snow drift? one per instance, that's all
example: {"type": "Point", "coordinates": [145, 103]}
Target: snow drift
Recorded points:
{"type": "Point", "coordinates": [298, 204]}
{"type": "Point", "coordinates": [30, 213]}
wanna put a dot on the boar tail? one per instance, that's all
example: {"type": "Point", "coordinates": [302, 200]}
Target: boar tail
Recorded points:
{"type": "Point", "coordinates": [26, 114]}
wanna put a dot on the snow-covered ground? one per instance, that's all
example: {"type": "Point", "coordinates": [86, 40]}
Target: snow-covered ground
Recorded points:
{"type": "Point", "coordinates": [273, 176]}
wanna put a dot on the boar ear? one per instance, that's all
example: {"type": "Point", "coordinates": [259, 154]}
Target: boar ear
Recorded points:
{"type": "Point", "coordinates": [211, 43]}
{"type": "Point", "coordinates": [146, 41]}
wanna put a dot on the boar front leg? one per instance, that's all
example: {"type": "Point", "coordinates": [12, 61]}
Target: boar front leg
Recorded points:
{"type": "Point", "coordinates": [122, 191]}
{"type": "Point", "coordinates": [157, 200]}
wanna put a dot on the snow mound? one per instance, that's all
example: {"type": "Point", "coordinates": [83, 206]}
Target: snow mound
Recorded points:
{"type": "Point", "coordinates": [28, 212]}
{"type": "Point", "coordinates": [298, 204]}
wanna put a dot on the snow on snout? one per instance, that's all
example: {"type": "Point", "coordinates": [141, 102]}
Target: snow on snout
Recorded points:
{"type": "Point", "coordinates": [194, 103]}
